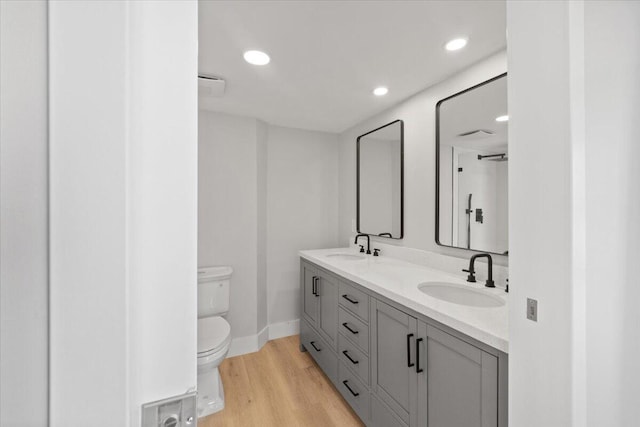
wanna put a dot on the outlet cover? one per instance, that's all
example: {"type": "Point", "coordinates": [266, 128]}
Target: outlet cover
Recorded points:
{"type": "Point", "coordinates": [532, 309]}
{"type": "Point", "coordinates": [177, 411]}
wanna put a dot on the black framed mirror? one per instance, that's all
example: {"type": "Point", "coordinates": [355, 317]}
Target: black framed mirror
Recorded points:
{"type": "Point", "coordinates": [472, 154]}
{"type": "Point", "coordinates": [380, 181]}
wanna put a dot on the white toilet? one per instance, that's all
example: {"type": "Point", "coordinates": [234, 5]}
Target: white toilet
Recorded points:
{"type": "Point", "coordinates": [214, 336]}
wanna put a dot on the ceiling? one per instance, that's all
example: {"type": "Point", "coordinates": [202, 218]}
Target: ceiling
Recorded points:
{"type": "Point", "coordinates": [328, 56]}
{"type": "Point", "coordinates": [476, 110]}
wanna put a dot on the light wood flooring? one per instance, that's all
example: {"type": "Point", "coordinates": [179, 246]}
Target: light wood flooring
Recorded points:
{"type": "Point", "coordinates": [279, 386]}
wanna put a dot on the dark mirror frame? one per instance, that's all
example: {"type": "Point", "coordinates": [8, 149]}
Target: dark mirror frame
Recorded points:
{"type": "Point", "coordinates": [438, 164]}
{"type": "Point", "coordinates": [401, 179]}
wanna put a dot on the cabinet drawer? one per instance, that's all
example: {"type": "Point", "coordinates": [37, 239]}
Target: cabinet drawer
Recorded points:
{"type": "Point", "coordinates": [354, 329]}
{"type": "Point", "coordinates": [354, 300]}
{"type": "Point", "coordinates": [353, 358]}
{"type": "Point", "coordinates": [319, 350]}
{"type": "Point", "coordinates": [382, 416]}
{"type": "Point", "coordinates": [354, 392]}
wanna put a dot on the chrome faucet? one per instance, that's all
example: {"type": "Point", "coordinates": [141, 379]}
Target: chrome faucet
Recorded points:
{"type": "Point", "coordinates": [368, 243]}
{"type": "Point", "coordinates": [472, 272]}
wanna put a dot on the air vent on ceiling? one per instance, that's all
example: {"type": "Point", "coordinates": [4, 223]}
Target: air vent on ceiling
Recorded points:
{"type": "Point", "coordinates": [209, 86]}
{"type": "Point", "coordinates": [478, 133]}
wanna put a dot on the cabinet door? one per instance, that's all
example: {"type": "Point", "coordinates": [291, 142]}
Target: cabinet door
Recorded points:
{"type": "Point", "coordinates": [460, 387]}
{"type": "Point", "coordinates": [309, 295]}
{"type": "Point", "coordinates": [393, 375]}
{"type": "Point", "coordinates": [327, 289]}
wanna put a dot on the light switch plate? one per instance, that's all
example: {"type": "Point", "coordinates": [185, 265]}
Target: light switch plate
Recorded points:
{"type": "Point", "coordinates": [177, 411]}
{"type": "Point", "coordinates": [532, 309]}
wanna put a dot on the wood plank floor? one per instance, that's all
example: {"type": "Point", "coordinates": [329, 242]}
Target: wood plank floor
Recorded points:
{"type": "Point", "coordinates": [279, 386]}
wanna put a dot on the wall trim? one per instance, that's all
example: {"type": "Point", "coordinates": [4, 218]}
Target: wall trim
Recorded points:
{"type": "Point", "coordinates": [263, 337]}
{"type": "Point", "coordinates": [253, 343]}
{"type": "Point", "coordinates": [284, 329]}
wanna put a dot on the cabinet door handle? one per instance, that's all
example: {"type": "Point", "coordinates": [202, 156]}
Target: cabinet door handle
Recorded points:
{"type": "Point", "coordinates": [409, 364]}
{"type": "Point", "coordinates": [348, 298]}
{"type": "Point", "coordinates": [315, 286]}
{"type": "Point", "coordinates": [313, 344]}
{"type": "Point", "coordinates": [355, 362]}
{"type": "Point", "coordinates": [347, 386]}
{"type": "Point", "coordinates": [346, 325]}
{"type": "Point", "coordinates": [418, 368]}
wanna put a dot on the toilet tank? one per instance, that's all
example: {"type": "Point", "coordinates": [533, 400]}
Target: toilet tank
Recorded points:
{"type": "Point", "coordinates": [213, 290]}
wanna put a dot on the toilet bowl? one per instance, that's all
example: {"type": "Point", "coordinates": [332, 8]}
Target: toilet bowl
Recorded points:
{"type": "Point", "coordinates": [214, 338]}
{"type": "Point", "coordinates": [214, 335]}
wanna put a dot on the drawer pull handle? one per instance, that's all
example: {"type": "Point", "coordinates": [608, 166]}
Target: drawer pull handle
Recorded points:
{"type": "Point", "coordinates": [409, 364]}
{"type": "Point", "coordinates": [355, 362]}
{"type": "Point", "coordinates": [348, 298]}
{"type": "Point", "coordinates": [313, 344]}
{"type": "Point", "coordinates": [349, 388]}
{"type": "Point", "coordinates": [353, 331]}
{"type": "Point", "coordinates": [418, 368]}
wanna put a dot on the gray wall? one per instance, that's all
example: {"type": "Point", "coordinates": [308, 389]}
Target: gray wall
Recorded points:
{"type": "Point", "coordinates": [23, 214]}
{"type": "Point", "coordinates": [265, 192]}
{"type": "Point", "coordinates": [228, 209]}
{"type": "Point", "coordinates": [302, 210]}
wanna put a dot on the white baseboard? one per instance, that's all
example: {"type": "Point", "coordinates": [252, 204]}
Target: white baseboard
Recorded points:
{"type": "Point", "coordinates": [248, 344]}
{"type": "Point", "coordinates": [243, 345]}
{"type": "Point", "coordinates": [253, 343]}
{"type": "Point", "coordinates": [284, 329]}
{"type": "Point", "coordinates": [263, 337]}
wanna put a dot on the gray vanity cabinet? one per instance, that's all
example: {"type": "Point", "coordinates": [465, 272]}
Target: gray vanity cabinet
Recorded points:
{"type": "Point", "coordinates": [430, 378]}
{"type": "Point", "coordinates": [309, 300]}
{"type": "Point", "coordinates": [397, 368]}
{"type": "Point", "coordinates": [320, 301]}
{"type": "Point", "coordinates": [393, 361]}
{"type": "Point", "coordinates": [459, 382]}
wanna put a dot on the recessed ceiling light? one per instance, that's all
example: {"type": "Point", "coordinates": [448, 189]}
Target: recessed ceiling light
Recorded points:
{"type": "Point", "coordinates": [380, 91]}
{"type": "Point", "coordinates": [256, 57]}
{"type": "Point", "coordinates": [502, 118]}
{"type": "Point", "coordinates": [456, 44]}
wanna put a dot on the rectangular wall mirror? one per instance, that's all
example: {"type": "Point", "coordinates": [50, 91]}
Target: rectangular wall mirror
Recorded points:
{"type": "Point", "coordinates": [472, 159]}
{"type": "Point", "coordinates": [380, 171]}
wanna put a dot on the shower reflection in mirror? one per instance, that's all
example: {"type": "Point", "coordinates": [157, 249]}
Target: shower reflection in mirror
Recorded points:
{"type": "Point", "coordinates": [472, 168]}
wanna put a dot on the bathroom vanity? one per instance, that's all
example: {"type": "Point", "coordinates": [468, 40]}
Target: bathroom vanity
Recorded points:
{"type": "Point", "coordinates": [406, 345]}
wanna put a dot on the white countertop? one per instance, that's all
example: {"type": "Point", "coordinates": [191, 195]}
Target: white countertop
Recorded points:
{"type": "Point", "coordinates": [398, 280]}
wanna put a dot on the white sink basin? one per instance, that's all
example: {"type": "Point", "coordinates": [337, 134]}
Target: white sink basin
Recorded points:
{"type": "Point", "coordinates": [459, 294]}
{"type": "Point", "coordinates": [346, 256]}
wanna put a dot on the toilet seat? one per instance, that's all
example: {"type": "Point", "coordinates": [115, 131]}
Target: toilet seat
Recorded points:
{"type": "Point", "coordinates": [214, 334]}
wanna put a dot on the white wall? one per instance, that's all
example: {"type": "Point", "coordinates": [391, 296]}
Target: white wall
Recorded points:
{"type": "Point", "coordinates": [302, 210]}
{"type": "Point", "coordinates": [123, 207]}
{"type": "Point", "coordinates": [228, 210]}
{"type": "Point", "coordinates": [162, 200]}
{"type": "Point", "coordinates": [88, 137]}
{"type": "Point", "coordinates": [575, 240]}
{"type": "Point", "coordinates": [612, 94]}
{"type": "Point", "coordinates": [540, 213]}
{"type": "Point", "coordinates": [23, 214]}
{"type": "Point", "coordinates": [418, 113]}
